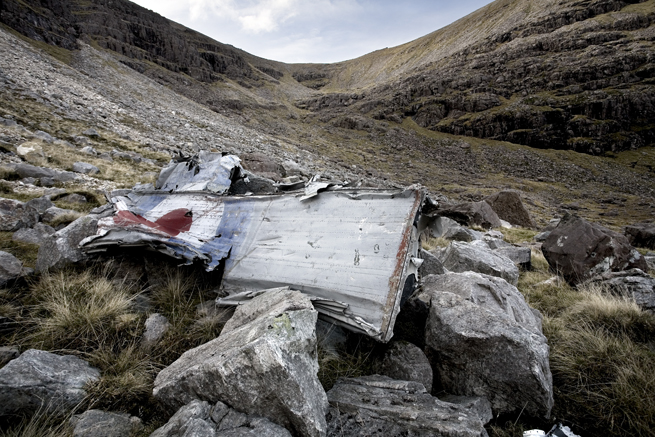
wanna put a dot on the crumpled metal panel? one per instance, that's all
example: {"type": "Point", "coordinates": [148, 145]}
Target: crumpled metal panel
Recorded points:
{"type": "Point", "coordinates": [205, 171]}
{"type": "Point", "coordinates": [350, 249]}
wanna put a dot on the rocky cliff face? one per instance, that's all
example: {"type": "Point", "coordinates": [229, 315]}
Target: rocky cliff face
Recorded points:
{"type": "Point", "coordinates": [579, 77]}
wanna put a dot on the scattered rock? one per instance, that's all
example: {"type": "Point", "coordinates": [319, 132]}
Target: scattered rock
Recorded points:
{"type": "Point", "coordinates": [641, 235]}
{"type": "Point", "coordinates": [491, 293]}
{"type": "Point", "coordinates": [97, 423]}
{"type": "Point", "coordinates": [263, 363]}
{"type": "Point", "coordinates": [431, 264]}
{"type": "Point", "coordinates": [73, 198]}
{"type": "Point", "coordinates": [27, 170]}
{"type": "Point", "coordinates": [405, 362]}
{"type": "Point", "coordinates": [477, 405]}
{"type": "Point", "coordinates": [199, 418]}
{"type": "Point", "coordinates": [89, 150]}
{"type": "Point", "coordinates": [32, 152]}
{"type": "Point", "coordinates": [41, 204]}
{"type": "Point", "coordinates": [54, 214]}
{"type": "Point", "coordinates": [380, 406]}
{"type": "Point", "coordinates": [61, 248]}
{"type": "Point", "coordinates": [633, 283]}
{"type": "Point", "coordinates": [451, 230]}
{"type": "Point", "coordinates": [91, 133]}
{"type": "Point", "coordinates": [156, 327]}
{"type": "Point", "coordinates": [15, 215]}
{"type": "Point", "coordinates": [579, 250]}
{"type": "Point", "coordinates": [34, 235]}
{"type": "Point", "coordinates": [509, 207]}
{"type": "Point", "coordinates": [471, 214]}
{"type": "Point", "coordinates": [43, 380]}
{"type": "Point", "coordinates": [44, 136]}
{"type": "Point", "coordinates": [463, 257]}
{"type": "Point", "coordinates": [85, 168]}
{"type": "Point", "coordinates": [477, 352]}
{"type": "Point", "coordinates": [8, 353]}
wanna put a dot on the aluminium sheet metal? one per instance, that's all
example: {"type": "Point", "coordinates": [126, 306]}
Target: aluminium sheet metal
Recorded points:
{"type": "Point", "coordinates": [351, 249]}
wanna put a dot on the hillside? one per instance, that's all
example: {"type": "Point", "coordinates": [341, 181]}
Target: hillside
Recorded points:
{"type": "Point", "coordinates": [481, 104]}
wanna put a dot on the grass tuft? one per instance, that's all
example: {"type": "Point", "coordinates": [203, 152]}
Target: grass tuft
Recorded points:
{"type": "Point", "coordinates": [432, 243]}
{"type": "Point", "coordinates": [518, 235]}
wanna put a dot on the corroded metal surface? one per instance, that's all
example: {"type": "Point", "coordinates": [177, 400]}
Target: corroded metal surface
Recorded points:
{"type": "Point", "coordinates": [350, 249]}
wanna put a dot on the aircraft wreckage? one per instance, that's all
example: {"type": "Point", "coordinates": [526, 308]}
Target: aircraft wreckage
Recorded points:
{"type": "Point", "coordinates": [354, 251]}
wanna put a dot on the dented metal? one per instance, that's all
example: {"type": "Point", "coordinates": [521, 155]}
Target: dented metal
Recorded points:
{"type": "Point", "coordinates": [351, 250]}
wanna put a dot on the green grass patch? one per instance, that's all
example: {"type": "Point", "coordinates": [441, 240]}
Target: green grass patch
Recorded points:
{"type": "Point", "coordinates": [518, 235]}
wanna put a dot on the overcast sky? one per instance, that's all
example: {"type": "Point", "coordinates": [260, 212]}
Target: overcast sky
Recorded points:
{"type": "Point", "coordinates": [313, 30]}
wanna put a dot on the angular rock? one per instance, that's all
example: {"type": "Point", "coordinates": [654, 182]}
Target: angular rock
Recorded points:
{"type": "Point", "coordinates": [405, 362]}
{"type": "Point", "coordinates": [579, 250]}
{"type": "Point", "coordinates": [254, 184]}
{"type": "Point", "coordinates": [34, 235]}
{"type": "Point", "coordinates": [477, 352]}
{"type": "Point", "coordinates": [509, 207]}
{"type": "Point", "coordinates": [521, 256]}
{"type": "Point", "coordinates": [44, 136]}
{"type": "Point", "coordinates": [39, 379]}
{"type": "Point", "coordinates": [492, 293]}
{"type": "Point", "coordinates": [27, 170]}
{"type": "Point", "coordinates": [199, 419]}
{"type": "Point", "coordinates": [156, 327]}
{"type": "Point", "coordinates": [10, 267]}
{"type": "Point", "coordinates": [73, 198]}
{"type": "Point", "coordinates": [641, 235]}
{"type": "Point", "coordinates": [61, 248]}
{"type": "Point", "coordinates": [431, 264]}
{"type": "Point", "coordinates": [263, 363]}
{"type": "Point", "coordinates": [85, 168]}
{"type": "Point", "coordinates": [91, 132]}
{"type": "Point", "coordinates": [451, 230]}
{"type": "Point", "coordinates": [471, 214]}
{"type": "Point", "coordinates": [380, 406]}
{"type": "Point", "coordinates": [15, 215]}
{"type": "Point", "coordinates": [480, 406]}
{"type": "Point", "coordinates": [633, 283]}
{"type": "Point", "coordinates": [56, 214]}
{"type": "Point", "coordinates": [32, 152]}
{"type": "Point", "coordinates": [98, 423]}
{"type": "Point", "coordinates": [41, 204]}
{"type": "Point", "coordinates": [463, 257]}
{"type": "Point", "coordinates": [8, 353]}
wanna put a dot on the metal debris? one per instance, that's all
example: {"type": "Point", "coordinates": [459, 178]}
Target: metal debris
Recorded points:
{"type": "Point", "coordinates": [354, 251]}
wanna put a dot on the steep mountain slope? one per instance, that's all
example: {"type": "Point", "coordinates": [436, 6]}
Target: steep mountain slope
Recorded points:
{"type": "Point", "coordinates": [431, 111]}
{"type": "Point", "coordinates": [575, 75]}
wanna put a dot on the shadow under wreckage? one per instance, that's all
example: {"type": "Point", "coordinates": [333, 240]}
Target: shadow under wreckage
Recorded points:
{"type": "Point", "coordinates": [354, 251]}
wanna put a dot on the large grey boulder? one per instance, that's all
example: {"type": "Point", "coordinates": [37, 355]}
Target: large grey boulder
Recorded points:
{"type": "Point", "coordinates": [471, 214]}
{"type": "Point", "coordinates": [478, 257]}
{"type": "Point", "coordinates": [509, 207]}
{"type": "Point", "coordinates": [10, 267]}
{"type": "Point", "coordinates": [641, 235]}
{"type": "Point", "coordinates": [15, 215]}
{"type": "Point", "coordinates": [406, 362]}
{"type": "Point", "coordinates": [263, 363]}
{"type": "Point", "coordinates": [380, 406]}
{"type": "Point", "coordinates": [579, 250]}
{"type": "Point", "coordinates": [491, 293]}
{"type": "Point", "coordinates": [633, 283]}
{"type": "Point", "coordinates": [34, 235]}
{"type": "Point", "coordinates": [200, 419]}
{"type": "Point", "coordinates": [98, 423]}
{"type": "Point", "coordinates": [61, 248]}
{"type": "Point", "coordinates": [478, 352]}
{"type": "Point", "coordinates": [43, 380]}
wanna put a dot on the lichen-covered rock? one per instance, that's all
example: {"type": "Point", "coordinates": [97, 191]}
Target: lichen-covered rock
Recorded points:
{"type": "Point", "coordinates": [41, 204]}
{"type": "Point", "coordinates": [34, 235]}
{"type": "Point", "coordinates": [492, 293]}
{"type": "Point", "coordinates": [509, 207]}
{"type": "Point", "coordinates": [478, 405]}
{"type": "Point", "coordinates": [43, 380]}
{"type": "Point", "coordinates": [380, 406]}
{"type": "Point", "coordinates": [478, 257]}
{"type": "Point", "coordinates": [406, 362]}
{"type": "Point", "coordinates": [61, 248]}
{"type": "Point", "coordinates": [478, 352]}
{"type": "Point", "coordinates": [15, 215]}
{"type": "Point", "coordinates": [579, 250]}
{"type": "Point", "coordinates": [264, 363]}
